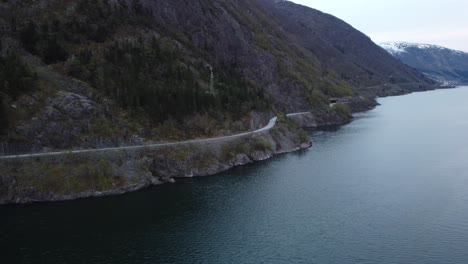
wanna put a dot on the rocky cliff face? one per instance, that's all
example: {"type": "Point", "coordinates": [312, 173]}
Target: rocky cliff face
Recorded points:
{"type": "Point", "coordinates": [447, 66]}
{"type": "Point", "coordinates": [241, 35]}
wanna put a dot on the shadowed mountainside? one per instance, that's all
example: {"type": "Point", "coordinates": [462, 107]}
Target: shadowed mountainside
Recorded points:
{"type": "Point", "coordinates": [112, 72]}
{"type": "Point", "coordinates": [342, 49]}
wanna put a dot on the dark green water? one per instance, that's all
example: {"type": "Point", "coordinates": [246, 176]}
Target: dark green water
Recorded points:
{"type": "Point", "coordinates": [392, 187]}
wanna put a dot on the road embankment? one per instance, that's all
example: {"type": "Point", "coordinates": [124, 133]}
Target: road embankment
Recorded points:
{"type": "Point", "coordinates": [77, 174]}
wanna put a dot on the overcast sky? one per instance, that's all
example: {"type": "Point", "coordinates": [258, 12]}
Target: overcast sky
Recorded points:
{"type": "Point", "coordinates": [441, 22]}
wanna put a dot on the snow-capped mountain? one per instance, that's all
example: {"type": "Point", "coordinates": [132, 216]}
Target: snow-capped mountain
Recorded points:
{"type": "Point", "coordinates": [445, 65]}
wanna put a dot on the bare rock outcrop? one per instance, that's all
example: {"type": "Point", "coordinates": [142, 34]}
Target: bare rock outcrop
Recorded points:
{"type": "Point", "coordinates": [63, 120]}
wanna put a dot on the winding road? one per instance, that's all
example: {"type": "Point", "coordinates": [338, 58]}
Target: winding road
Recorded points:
{"type": "Point", "coordinates": [269, 126]}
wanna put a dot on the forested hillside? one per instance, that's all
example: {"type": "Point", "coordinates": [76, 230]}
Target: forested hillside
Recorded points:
{"type": "Point", "coordinates": [81, 73]}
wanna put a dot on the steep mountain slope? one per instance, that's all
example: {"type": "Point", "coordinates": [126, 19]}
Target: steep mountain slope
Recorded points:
{"type": "Point", "coordinates": [109, 72]}
{"type": "Point", "coordinates": [442, 64]}
{"type": "Point", "coordinates": [344, 50]}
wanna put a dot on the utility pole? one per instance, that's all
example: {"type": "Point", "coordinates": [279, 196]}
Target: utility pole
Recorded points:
{"type": "Point", "coordinates": [212, 82]}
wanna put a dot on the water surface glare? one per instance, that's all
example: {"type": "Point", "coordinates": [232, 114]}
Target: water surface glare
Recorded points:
{"type": "Point", "coordinates": [391, 187]}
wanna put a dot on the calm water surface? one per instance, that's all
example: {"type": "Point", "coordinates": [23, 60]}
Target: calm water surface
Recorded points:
{"type": "Point", "coordinates": [391, 187]}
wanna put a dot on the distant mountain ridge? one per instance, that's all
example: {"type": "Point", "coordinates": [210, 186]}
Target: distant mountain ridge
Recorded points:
{"type": "Point", "coordinates": [399, 47]}
{"type": "Point", "coordinates": [447, 66]}
{"type": "Point", "coordinates": [343, 49]}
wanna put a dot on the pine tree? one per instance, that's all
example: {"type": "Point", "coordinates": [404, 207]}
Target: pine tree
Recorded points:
{"type": "Point", "coordinates": [29, 37]}
{"type": "Point", "coordinates": [3, 116]}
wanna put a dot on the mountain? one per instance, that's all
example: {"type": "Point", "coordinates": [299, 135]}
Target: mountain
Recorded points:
{"type": "Point", "coordinates": [344, 50]}
{"type": "Point", "coordinates": [82, 73]}
{"type": "Point", "coordinates": [445, 65]}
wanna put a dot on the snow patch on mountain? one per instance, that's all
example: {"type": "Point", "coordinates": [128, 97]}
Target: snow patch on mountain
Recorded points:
{"type": "Point", "coordinates": [392, 47]}
{"type": "Point", "coordinates": [448, 67]}
{"type": "Point", "coordinates": [396, 48]}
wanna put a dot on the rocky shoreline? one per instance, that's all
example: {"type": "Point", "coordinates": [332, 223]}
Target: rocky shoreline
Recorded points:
{"type": "Point", "coordinates": [81, 175]}
{"type": "Point", "coordinates": [104, 173]}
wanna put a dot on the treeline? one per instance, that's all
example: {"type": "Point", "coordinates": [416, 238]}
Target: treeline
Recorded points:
{"type": "Point", "coordinates": [92, 20]}
{"type": "Point", "coordinates": [16, 77]}
{"type": "Point", "coordinates": [158, 79]}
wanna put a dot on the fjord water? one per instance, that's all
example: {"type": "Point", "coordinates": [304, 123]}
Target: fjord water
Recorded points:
{"type": "Point", "coordinates": [391, 187]}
